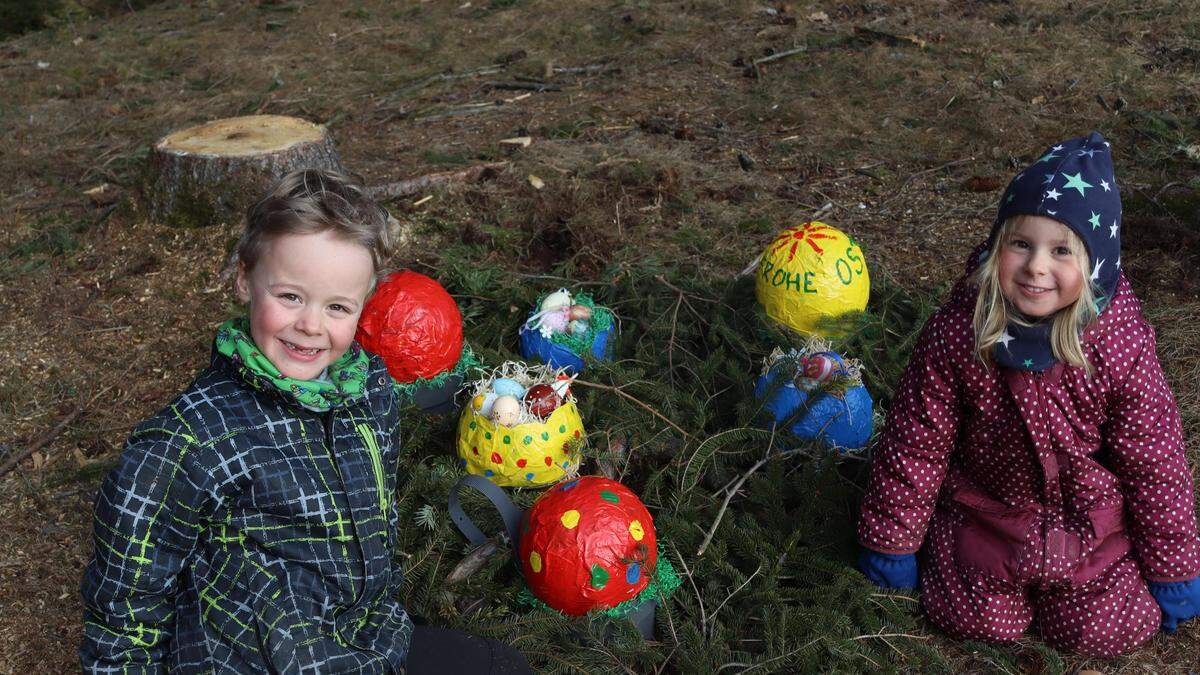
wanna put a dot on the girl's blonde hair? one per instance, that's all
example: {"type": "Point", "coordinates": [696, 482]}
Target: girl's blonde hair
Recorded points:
{"type": "Point", "coordinates": [311, 201]}
{"type": "Point", "coordinates": [993, 311]}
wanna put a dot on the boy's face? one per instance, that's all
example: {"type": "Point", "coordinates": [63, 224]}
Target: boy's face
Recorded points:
{"type": "Point", "coordinates": [305, 295]}
{"type": "Point", "coordinates": [1039, 273]}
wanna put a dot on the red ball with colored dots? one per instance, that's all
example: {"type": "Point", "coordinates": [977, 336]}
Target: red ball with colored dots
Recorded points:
{"type": "Point", "coordinates": [587, 543]}
{"type": "Point", "coordinates": [414, 324]}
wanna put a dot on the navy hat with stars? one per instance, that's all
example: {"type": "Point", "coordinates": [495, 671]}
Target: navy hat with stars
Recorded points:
{"type": "Point", "coordinates": [1073, 183]}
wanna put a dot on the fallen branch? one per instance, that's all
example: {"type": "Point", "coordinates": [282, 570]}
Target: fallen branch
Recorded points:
{"type": "Point", "coordinates": [406, 188]}
{"type": "Point", "coordinates": [733, 491]}
{"type": "Point", "coordinates": [41, 442]}
{"type": "Point", "coordinates": [473, 562]}
{"type": "Point", "coordinates": [780, 55]}
{"type": "Point", "coordinates": [523, 86]}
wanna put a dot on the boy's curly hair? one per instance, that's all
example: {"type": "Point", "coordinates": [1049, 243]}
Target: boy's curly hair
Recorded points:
{"type": "Point", "coordinates": [311, 201]}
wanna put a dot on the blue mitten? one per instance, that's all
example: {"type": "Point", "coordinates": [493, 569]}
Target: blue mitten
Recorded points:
{"type": "Point", "coordinates": [889, 570]}
{"type": "Point", "coordinates": [1180, 601]}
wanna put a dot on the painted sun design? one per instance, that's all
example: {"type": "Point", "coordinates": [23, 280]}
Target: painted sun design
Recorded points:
{"type": "Point", "coordinates": [808, 233]}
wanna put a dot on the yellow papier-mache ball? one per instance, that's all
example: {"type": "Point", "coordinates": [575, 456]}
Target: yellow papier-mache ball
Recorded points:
{"type": "Point", "coordinates": [809, 273]}
{"type": "Point", "coordinates": [524, 455]}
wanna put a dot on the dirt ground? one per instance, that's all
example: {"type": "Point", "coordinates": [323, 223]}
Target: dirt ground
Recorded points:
{"type": "Point", "coordinates": [681, 131]}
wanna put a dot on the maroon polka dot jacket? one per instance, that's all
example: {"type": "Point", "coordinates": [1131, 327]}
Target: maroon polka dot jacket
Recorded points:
{"type": "Point", "coordinates": [1084, 467]}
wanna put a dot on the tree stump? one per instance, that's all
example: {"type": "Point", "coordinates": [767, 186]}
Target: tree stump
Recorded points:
{"type": "Point", "coordinates": [212, 173]}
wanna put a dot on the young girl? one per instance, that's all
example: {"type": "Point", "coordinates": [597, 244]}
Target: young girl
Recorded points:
{"type": "Point", "coordinates": [250, 526]}
{"type": "Point", "coordinates": [1034, 435]}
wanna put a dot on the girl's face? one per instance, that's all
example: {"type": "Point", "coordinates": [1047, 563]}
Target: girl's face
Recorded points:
{"type": "Point", "coordinates": [1039, 273]}
{"type": "Point", "coordinates": [305, 295]}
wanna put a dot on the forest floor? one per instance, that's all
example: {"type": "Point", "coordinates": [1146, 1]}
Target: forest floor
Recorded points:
{"type": "Point", "coordinates": [658, 130]}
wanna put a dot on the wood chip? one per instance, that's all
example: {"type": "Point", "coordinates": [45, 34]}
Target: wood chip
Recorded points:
{"type": "Point", "coordinates": [536, 182]}
{"type": "Point", "coordinates": [517, 141]}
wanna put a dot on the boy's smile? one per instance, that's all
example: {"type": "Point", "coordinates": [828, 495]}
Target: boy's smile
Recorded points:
{"type": "Point", "coordinates": [305, 295]}
{"type": "Point", "coordinates": [1039, 273]}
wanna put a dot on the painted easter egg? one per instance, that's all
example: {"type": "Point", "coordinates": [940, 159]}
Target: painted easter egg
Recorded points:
{"type": "Point", "coordinates": [555, 321]}
{"type": "Point", "coordinates": [812, 273]}
{"type": "Point", "coordinates": [579, 327]}
{"type": "Point", "coordinates": [482, 403]}
{"type": "Point", "coordinates": [559, 298]}
{"type": "Point", "coordinates": [580, 312]}
{"type": "Point", "coordinates": [506, 386]}
{"type": "Point", "coordinates": [414, 325]}
{"type": "Point", "coordinates": [587, 543]}
{"type": "Point", "coordinates": [817, 368]}
{"type": "Point", "coordinates": [542, 400]}
{"type": "Point", "coordinates": [506, 411]}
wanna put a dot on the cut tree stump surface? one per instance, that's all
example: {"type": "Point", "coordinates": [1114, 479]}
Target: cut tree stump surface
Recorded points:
{"type": "Point", "coordinates": [212, 172]}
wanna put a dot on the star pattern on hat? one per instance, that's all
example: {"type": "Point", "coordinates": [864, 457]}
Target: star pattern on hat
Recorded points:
{"type": "Point", "coordinates": [1053, 194]}
{"type": "Point", "coordinates": [1028, 363]}
{"type": "Point", "coordinates": [1049, 179]}
{"type": "Point", "coordinates": [1076, 182]}
{"type": "Point", "coordinates": [1004, 339]}
{"type": "Point", "coordinates": [1112, 230]}
{"type": "Point", "coordinates": [1094, 221]}
{"type": "Point", "coordinates": [1089, 152]}
{"type": "Point", "coordinates": [1049, 155]}
{"type": "Point", "coordinates": [1104, 184]}
{"type": "Point", "coordinates": [1096, 272]}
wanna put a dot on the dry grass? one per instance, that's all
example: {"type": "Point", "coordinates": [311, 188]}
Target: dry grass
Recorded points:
{"type": "Point", "coordinates": [640, 164]}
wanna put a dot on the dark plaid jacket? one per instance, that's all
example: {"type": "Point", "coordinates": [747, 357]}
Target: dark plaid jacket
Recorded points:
{"type": "Point", "coordinates": [241, 532]}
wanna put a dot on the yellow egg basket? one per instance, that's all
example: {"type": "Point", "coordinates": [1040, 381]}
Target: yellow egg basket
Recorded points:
{"type": "Point", "coordinates": [523, 455]}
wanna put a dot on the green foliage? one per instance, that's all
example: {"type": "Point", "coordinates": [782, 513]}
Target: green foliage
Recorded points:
{"type": "Point", "coordinates": [775, 589]}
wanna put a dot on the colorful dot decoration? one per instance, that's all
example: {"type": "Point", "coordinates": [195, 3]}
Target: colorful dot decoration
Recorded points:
{"type": "Point", "coordinates": [523, 455]}
{"type": "Point", "coordinates": [588, 543]}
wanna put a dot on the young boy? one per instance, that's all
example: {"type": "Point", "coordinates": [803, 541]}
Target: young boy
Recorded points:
{"type": "Point", "coordinates": [250, 525]}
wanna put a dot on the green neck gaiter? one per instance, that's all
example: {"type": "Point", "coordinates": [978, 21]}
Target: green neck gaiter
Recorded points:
{"type": "Point", "coordinates": [346, 378]}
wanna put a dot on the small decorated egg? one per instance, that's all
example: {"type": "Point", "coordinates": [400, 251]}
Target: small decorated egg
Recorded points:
{"type": "Point", "coordinates": [506, 386]}
{"type": "Point", "coordinates": [818, 368]}
{"type": "Point", "coordinates": [542, 400]}
{"type": "Point", "coordinates": [579, 327]}
{"type": "Point", "coordinates": [555, 321]}
{"type": "Point", "coordinates": [559, 298]}
{"type": "Point", "coordinates": [581, 312]}
{"type": "Point", "coordinates": [482, 403]}
{"type": "Point", "coordinates": [506, 411]}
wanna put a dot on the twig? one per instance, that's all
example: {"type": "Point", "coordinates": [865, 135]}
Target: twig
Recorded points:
{"type": "Point", "coordinates": [780, 55]}
{"type": "Point", "coordinates": [41, 442]}
{"type": "Point", "coordinates": [360, 31]}
{"type": "Point", "coordinates": [523, 86]}
{"type": "Point", "coordinates": [888, 635]}
{"type": "Point", "coordinates": [699, 599]}
{"type": "Point", "coordinates": [909, 180]}
{"type": "Point", "coordinates": [734, 591]}
{"type": "Point", "coordinates": [405, 188]}
{"type": "Point", "coordinates": [618, 391]}
{"type": "Point", "coordinates": [734, 490]}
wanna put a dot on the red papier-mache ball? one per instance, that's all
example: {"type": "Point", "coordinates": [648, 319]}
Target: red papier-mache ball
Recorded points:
{"type": "Point", "coordinates": [414, 324]}
{"type": "Point", "coordinates": [587, 543]}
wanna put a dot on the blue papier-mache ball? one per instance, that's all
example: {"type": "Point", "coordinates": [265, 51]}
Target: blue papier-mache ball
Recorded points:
{"type": "Point", "coordinates": [840, 418]}
{"type": "Point", "coordinates": [538, 348]}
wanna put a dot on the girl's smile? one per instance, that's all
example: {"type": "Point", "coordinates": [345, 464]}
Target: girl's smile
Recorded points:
{"type": "Point", "coordinates": [1040, 266]}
